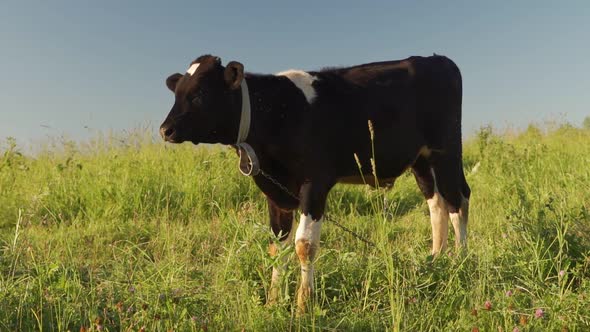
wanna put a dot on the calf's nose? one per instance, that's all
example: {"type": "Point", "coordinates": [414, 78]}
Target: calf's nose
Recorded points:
{"type": "Point", "coordinates": [166, 132]}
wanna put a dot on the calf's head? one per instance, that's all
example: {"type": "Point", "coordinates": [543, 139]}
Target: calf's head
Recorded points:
{"type": "Point", "coordinates": [207, 103]}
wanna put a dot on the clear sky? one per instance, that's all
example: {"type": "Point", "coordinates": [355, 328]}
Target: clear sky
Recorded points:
{"type": "Point", "coordinates": [78, 67]}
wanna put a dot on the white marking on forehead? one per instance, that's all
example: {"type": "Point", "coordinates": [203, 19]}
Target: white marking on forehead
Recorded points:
{"type": "Point", "coordinates": [193, 68]}
{"type": "Point", "coordinates": [302, 80]}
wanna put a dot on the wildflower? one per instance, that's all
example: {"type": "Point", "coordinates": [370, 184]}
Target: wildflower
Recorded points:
{"type": "Point", "coordinates": [509, 293]}
{"type": "Point", "coordinates": [488, 305]}
{"type": "Point", "coordinates": [539, 313]}
{"type": "Point", "coordinates": [131, 289]}
{"type": "Point", "coordinates": [516, 329]}
{"type": "Point", "coordinates": [99, 327]}
{"type": "Point", "coordinates": [561, 273]}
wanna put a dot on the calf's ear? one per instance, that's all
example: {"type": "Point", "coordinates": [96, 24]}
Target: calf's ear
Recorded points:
{"type": "Point", "coordinates": [234, 74]}
{"type": "Point", "coordinates": [172, 80]}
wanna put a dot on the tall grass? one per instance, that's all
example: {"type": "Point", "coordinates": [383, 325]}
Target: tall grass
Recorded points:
{"type": "Point", "coordinates": [125, 233]}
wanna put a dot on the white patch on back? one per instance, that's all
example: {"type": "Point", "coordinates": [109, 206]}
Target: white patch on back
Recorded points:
{"type": "Point", "coordinates": [302, 80]}
{"type": "Point", "coordinates": [193, 68]}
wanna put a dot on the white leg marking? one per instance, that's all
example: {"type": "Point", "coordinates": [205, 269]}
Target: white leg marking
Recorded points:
{"type": "Point", "coordinates": [278, 270]}
{"type": "Point", "coordinates": [459, 221]}
{"type": "Point", "coordinates": [439, 219]}
{"type": "Point", "coordinates": [307, 244]}
{"type": "Point", "coordinates": [302, 80]}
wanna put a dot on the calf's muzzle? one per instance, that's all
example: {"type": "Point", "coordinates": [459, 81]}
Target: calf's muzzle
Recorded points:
{"type": "Point", "coordinates": [168, 133]}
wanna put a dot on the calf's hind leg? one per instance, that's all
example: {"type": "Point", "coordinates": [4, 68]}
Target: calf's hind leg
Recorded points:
{"type": "Point", "coordinates": [460, 215]}
{"type": "Point", "coordinates": [451, 182]}
{"type": "Point", "coordinates": [439, 216]}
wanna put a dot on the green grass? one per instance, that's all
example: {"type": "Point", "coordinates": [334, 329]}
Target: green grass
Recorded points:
{"type": "Point", "coordinates": [122, 233]}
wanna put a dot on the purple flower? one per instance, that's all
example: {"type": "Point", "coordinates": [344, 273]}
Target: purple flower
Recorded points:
{"type": "Point", "coordinates": [561, 273]}
{"type": "Point", "coordinates": [509, 293]}
{"type": "Point", "coordinates": [488, 305]}
{"type": "Point", "coordinates": [539, 313]}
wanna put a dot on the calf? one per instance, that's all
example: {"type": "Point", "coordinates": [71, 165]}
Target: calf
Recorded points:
{"type": "Point", "coordinates": [308, 131]}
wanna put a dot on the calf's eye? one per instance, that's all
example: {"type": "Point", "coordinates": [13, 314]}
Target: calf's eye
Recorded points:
{"type": "Point", "coordinates": [196, 100]}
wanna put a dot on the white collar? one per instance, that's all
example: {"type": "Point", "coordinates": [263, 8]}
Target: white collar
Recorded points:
{"type": "Point", "coordinates": [249, 164]}
{"type": "Point", "coordinates": [245, 115]}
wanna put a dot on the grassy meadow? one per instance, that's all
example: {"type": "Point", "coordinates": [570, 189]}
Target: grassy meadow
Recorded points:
{"type": "Point", "coordinates": [126, 233]}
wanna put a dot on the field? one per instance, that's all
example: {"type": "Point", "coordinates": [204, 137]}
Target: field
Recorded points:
{"type": "Point", "coordinates": [125, 233]}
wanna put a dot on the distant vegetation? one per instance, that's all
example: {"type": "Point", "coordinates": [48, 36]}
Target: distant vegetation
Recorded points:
{"type": "Point", "coordinates": [125, 233]}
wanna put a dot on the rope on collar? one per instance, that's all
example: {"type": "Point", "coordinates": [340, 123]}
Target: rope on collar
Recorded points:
{"type": "Point", "coordinates": [249, 165]}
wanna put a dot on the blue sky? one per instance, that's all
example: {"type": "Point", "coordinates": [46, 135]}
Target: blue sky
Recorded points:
{"type": "Point", "coordinates": [78, 67]}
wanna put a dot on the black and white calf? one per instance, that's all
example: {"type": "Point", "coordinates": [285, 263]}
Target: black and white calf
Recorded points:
{"type": "Point", "coordinates": [306, 128]}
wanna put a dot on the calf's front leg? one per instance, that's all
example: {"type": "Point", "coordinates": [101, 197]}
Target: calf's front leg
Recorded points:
{"type": "Point", "coordinates": [307, 238]}
{"type": "Point", "coordinates": [281, 221]}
